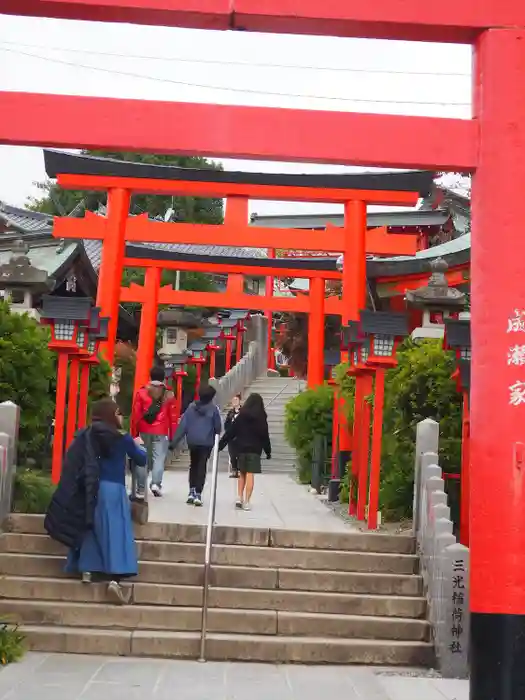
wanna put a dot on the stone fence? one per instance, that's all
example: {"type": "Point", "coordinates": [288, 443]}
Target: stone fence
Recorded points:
{"type": "Point", "coordinates": [252, 365]}
{"type": "Point", "coordinates": [444, 562]}
{"type": "Point", "coordinates": [9, 422]}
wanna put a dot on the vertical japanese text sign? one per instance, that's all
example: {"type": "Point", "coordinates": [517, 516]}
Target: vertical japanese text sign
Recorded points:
{"type": "Point", "coordinates": [454, 653]}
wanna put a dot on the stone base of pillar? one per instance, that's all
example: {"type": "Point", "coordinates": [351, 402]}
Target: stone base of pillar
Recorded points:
{"type": "Point", "coordinates": [334, 488]}
{"type": "Point", "coordinates": [497, 651]}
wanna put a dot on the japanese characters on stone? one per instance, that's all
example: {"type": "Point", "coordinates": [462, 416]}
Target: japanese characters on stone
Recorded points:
{"type": "Point", "coordinates": [457, 627]}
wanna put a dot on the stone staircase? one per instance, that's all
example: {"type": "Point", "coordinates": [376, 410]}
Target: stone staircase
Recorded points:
{"type": "Point", "coordinates": [276, 596]}
{"type": "Point", "coordinates": [276, 392]}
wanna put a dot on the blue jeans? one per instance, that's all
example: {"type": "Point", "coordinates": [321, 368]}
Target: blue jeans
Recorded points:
{"type": "Point", "coordinates": [157, 448]}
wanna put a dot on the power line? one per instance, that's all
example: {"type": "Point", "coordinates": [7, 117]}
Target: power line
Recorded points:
{"type": "Point", "coordinates": [245, 64]}
{"type": "Point", "coordinates": [243, 91]}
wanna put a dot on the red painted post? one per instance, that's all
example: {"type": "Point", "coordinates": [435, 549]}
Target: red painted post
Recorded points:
{"type": "Point", "coordinates": [357, 445]}
{"type": "Point", "coordinates": [198, 374]}
{"type": "Point", "coordinates": [497, 406]}
{"type": "Point", "coordinates": [375, 457]}
{"type": "Point", "coordinates": [212, 364]}
{"type": "Point", "coordinates": [83, 395]}
{"type": "Point", "coordinates": [335, 437]}
{"type": "Point", "coordinates": [238, 345]}
{"type": "Point", "coordinates": [179, 394]}
{"type": "Point", "coordinates": [60, 410]}
{"type": "Point", "coordinates": [354, 295]}
{"type": "Point", "coordinates": [110, 275]}
{"type": "Point", "coordinates": [364, 439]}
{"type": "Point", "coordinates": [464, 518]}
{"type": "Point", "coordinates": [316, 333]}
{"type": "Point", "coordinates": [228, 355]}
{"type": "Point", "coordinates": [148, 327]}
{"type": "Point", "coordinates": [72, 401]}
{"type": "Point", "coordinates": [269, 314]}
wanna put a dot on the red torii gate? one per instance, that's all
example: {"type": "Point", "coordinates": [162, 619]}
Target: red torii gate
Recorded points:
{"type": "Point", "coordinates": [491, 145]}
{"type": "Point", "coordinates": [117, 229]}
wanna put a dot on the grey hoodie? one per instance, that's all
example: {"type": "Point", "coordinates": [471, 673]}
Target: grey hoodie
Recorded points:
{"type": "Point", "coordinates": [200, 423]}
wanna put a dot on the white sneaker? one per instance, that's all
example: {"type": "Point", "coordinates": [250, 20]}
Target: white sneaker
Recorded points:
{"type": "Point", "coordinates": [238, 504]}
{"type": "Point", "coordinates": [156, 490]}
{"type": "Point", "coordinates": [86, 577]}
{"type": "Point", "coordinates": [247, 506]}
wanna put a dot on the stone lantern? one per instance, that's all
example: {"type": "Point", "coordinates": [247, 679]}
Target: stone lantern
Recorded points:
{"type": "Point", "coordinates": [20, 281]}
{"type": "Point", "coordinates": [175, 325]}
{"type": "Point", "coordinates": [435, 298]}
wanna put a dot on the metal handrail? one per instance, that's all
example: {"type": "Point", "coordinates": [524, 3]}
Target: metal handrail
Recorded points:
{"type": "Point", "coordinates": [207, 549]}
{"type": "Point", "coordinates": [209, 540]}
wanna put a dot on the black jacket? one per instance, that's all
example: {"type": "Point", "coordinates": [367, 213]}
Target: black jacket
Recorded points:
{"type": "Point", "coordinates": [230, 417]}
{"type": "Point", "coordinates": [72, 509]}
{"type": "Point", "coordinates": [250, 434]}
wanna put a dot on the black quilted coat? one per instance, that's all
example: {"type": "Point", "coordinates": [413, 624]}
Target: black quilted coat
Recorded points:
{"type": "Point", "coordinates": [71, 511]}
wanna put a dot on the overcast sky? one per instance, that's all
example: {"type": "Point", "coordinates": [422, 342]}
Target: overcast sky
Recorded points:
{"type": "Point", "coordinates": [150, 63]}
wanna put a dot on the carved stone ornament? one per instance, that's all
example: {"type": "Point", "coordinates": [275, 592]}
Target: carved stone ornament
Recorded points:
{"type": "Point", "coordinates": [20, 273]}
{"type": "Point", "coordinates": [437, 295]}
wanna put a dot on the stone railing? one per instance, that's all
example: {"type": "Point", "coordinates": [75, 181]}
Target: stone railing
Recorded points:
{"type": "Point", "coordinates": [252, 365]}
{"type": "Point", "coordinates": [9, 422]}
{"type": "Point", "coordinates": [444, 562]}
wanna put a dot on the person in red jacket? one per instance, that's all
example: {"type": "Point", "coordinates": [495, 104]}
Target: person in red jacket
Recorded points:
{"type": "Point", "coordinates": [154, 418]}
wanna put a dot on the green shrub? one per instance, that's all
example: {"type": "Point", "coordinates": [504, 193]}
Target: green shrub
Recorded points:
{"type": "Point", "coordinates": [32, 492]}
{"type": "Point", "coordinates": [27, 372]}
{"type": "Point", "coordinates": [12, 644]}
{"type": "Point", "coordinates": [419, 387]}
{"type": "Point", "coordinates": [309, 414]}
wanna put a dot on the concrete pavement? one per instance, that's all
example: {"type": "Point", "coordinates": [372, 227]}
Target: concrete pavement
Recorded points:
{"type": "Point", "coordinates": [278, 502]}
{"type": "Point", "coordinates": [75, 677]}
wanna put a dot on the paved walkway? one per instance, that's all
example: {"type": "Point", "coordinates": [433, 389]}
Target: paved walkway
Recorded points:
{"type": "Point", "coordinates": [71, 677]}
{"type": "Point", "coordinates": [278, 502]}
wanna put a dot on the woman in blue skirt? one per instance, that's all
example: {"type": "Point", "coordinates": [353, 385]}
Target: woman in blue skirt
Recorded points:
{"type": "Point", "coordinates": [90, 511]}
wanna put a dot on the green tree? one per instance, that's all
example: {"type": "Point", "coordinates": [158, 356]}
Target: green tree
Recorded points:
{"type": "Point", "coordinates": [206, 210]}
{"type": "Point", "coordinates": [26, 372]}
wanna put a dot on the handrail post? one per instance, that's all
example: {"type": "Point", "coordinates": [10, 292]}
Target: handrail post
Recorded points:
{"type": "Point", "coordinates": [207, 549]}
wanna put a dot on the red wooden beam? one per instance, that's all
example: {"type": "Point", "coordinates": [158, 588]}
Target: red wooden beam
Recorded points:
{"type": "Point", "coordinates": [197, 14]}
{"type": "Point", "coordinates": [228, 189]}
{"type": "Point", "coordinates": [446, 21]}
{"type": "Point", "coordinates": [233, 268]}
{"type": "Point", "coordinates": [392, 286]}
{"type": "Point", "coordinates": [412, 20]}
{"type": "Point", "coordinates": [230, 300]}
{"type": "Point", "coordinates": [140, 229]}
{"type": "Point", "coordinates": [263, 133]}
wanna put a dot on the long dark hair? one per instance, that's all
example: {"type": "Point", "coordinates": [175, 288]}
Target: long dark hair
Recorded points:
{"type": "Point", "coordinates": [105, 426]}
{"type": "Point", "coordinates": [106, 411]}
{"type": "Point", "coordinates": [254, 407]}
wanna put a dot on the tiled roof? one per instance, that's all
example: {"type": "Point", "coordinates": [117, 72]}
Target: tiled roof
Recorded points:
{"type": "Point", "coordinates": [94, 249]}
{"type": "Point", "coordinates": [49, 257]}
{"type": "Point", "coordinates": [25, 220]}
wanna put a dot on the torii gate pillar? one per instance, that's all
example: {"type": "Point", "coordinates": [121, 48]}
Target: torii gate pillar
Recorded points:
{"type": "Point", "coordinates": [497, 529]}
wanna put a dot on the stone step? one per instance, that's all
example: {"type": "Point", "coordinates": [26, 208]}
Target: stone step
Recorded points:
{"type": "Point", "coordinates": [297, 539]}
{"type": "Point", "coordinates": [222, 620]}
{"type": "Point", "coordinates": [58, 589]}
{"type": "Point", "coordinates": [236, 555]}
{"type": "Point", "coordinates": [233, 576]}
{"type": "Point", "coordinates": [227, 647]}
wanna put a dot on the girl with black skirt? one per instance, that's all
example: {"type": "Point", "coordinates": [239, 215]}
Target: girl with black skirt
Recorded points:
{"type": "Point", "coordinates": [250, 433]}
